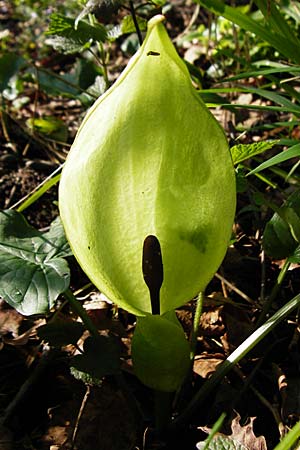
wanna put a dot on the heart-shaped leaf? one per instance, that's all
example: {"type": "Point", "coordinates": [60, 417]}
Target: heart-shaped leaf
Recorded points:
{"type": "Point", "coordinates": [32, 269]}
{"type": "Point", "coordinates": [101, 357]}
{"type": "Point", "coordinates": [61, 332]}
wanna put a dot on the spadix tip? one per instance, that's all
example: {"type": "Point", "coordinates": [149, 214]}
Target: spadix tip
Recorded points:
{"type": "Point", "coordinates": [155, 20]}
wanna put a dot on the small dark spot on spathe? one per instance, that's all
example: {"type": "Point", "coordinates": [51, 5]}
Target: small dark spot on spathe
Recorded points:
{"type": "Point", "coordinates": [89, 247]}
{"type": "Point", "coordinates": [151, 53]}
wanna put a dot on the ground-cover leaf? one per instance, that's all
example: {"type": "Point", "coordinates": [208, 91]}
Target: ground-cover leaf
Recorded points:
{"type": "Point", "coordinates": [100, 357]}
{"type": "Point", "coordinates": [55, 84]}
{"type": "Point", "coordinates": [241, 438]}
{"type": "Point", "coordinates": [10, 64]}
{"type": "Point", "coordinates": [64, 37]}
{"type": "Point", "coordinates": [281, 235]}
{"type": "Point", "coordinates": [241, 152]}
{"type": "Point", "coordinates": [60, 332]}
{"type": "Point", "coordinates": [49, 126]}
{"type": "Point", "coordinates": [32, 269]}
{"type": "Point", "coordinates": [292, 152]}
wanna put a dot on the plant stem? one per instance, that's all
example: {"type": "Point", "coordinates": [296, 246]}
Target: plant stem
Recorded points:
{"type": "Point", "coordinates": [134, 18]}
{"type": "Point", "coordinates": [234, 358]}
{"type": "Point", "coordinates": [79, 309]}
{"type": "Point", "coordinates": [214, 430]}
{"type": "Point", "coordinates": [274, 293]}
{"type": "Point", "coordinates": [163, 410]}
{"type": "Point", "coordinates": [195, 329]}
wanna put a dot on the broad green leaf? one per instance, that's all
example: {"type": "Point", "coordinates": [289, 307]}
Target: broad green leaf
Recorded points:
{"type": "Point", "coordinates": [280, 238]}
{"type": "Point", "coordinates": [285, 46]}
{"type": "Point", "coordinates": [241, 152]}
{"type": "Point", "coordinates": [10, 64]}
{"type": "Point", "coordinates": [68, 39]}
{"type": "Point", "coordinates": [278, 241]}
{"type": "Point", "coordinates": [292, 152]}
{"type": "Point", "coordinates": [32, 269]}
{"type": "Point", "coordinates": [61, 332]}
{"type": "Point", "coordinates": [55, 84]}
{"type": "Point", "coordinates": [101, 357]}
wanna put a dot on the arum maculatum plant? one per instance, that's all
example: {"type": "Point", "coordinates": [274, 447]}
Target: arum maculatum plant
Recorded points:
{"type": "Point", "coordinates": [147, 199]}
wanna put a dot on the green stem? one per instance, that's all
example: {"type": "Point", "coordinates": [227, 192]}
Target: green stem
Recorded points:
{"type": "Point", "coordinates": [195, 329]}
{"type": "Point", "coordinates": [274, 293]}
{"type": "Point", "coordinates": [214, 430]}
{"type": "Point", "coordinates": [163, 410]}
{"type": "Point", "coordinates": [79, 309]}
{"type": "Point", "coordinates": [234, 358]}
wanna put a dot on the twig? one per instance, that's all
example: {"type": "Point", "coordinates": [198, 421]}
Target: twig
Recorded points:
{"type": "Point", "coordinates": [235, 289]}
{"type": "Point", "coordinates": [82, 406]}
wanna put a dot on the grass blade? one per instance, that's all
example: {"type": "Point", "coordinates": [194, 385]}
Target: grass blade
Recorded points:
{"type": "Point", "coordinates": [278, 41]}
{"type": "Point", "coordinates": [292, 152]}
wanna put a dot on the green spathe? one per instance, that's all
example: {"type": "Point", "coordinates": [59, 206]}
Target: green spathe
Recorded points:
{"type": "Point", "coordinates": [149, 159]}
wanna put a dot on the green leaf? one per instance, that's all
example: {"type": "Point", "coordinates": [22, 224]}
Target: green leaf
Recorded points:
{"type": "Point", "coordinates": [10, 65]}
{"type": "Point", "coordinates": [275, 21]}
{"type": "Point", "coordinates": [280, 239]}
{"type": "Point", "coordinates": [241, 152]}
{"type": "Point", "coordinates": [32, 269]}
{"type": "Point", "coordinates": [261, 72]}
{"type": "Point", "coordinates": [55, 84]}
{"type": "Point", "coordinates": [40, 190]}
{"type": "Point", "coordinates": [66, 39]}
{"type": "Point", "coordinates": [223, 443]}
{"type": "Point", "coordinates": [50, 126]}
{"type": "Point", "coordinates": [295, 257]}
{"type": "Point", "coordinates": [101, 357]}
{"type": "Point", "coordinates": [61, 332]}
{"type": "Point", "coordinates": [278, 40]}
{"type": "Point", "coordinates": [292, 152]}
{"type": "Point", "coordinates": [128, 26]}
{"type": "Point", "coordinates": [160, 352]}
{"type": "Point", "coordinates": [290, 438]}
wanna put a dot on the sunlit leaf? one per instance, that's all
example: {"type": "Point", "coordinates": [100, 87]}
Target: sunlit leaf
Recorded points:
{"type": "Point", "coordinates": [292, 152]}
{"type": "Point", "coordinates": [241, 152]}
{"type": "Point", "coordinates": [68, 39]}
{"type": "Point", "coordinates": [32, 269]}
